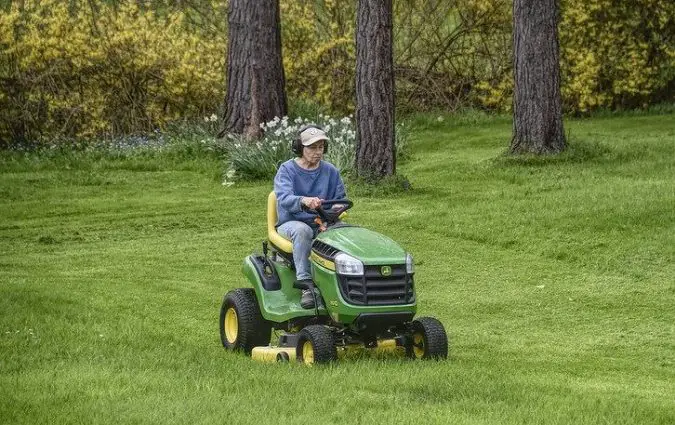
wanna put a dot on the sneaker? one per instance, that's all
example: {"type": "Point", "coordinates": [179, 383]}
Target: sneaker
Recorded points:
{"type": "Point", "coordinates": [307, 299]}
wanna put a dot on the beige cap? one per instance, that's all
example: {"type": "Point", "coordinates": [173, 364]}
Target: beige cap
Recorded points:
{"type": "Point", "coordinates": [312, 135]}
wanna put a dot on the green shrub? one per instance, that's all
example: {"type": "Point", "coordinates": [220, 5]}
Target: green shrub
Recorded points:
{"type": "Point", "coordinates": [252, 160]}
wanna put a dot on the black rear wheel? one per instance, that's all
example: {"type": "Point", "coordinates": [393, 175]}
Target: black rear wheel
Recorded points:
{"type": "Point", "coordinates": [242, 327]}
{"type": "Point", "coordinates": [428, 340]}
{"type": "Point", "coordinates": [316, 345]}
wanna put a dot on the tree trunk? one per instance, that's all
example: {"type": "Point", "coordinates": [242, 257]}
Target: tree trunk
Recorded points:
{"type": "Point", "coordinates": [256, 90]}
{"type": "Point", "coordinates": [537, 106]}
{"type": "Point", "coordinates": [375, 149]}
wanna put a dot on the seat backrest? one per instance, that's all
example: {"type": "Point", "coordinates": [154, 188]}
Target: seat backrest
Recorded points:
{"type": "Point", "coordinates": [274, 237]}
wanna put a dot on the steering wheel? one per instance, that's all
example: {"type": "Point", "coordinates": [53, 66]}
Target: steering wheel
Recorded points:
{"type": "Point", "coordinates": [331, 215]}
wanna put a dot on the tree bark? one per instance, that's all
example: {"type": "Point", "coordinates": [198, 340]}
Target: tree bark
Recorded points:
{"type": "Point", "coordinates": [256, 91]}
{"type": "Point", "coordinates": [537, 105]}
{"type": "Point", "coordinates": [375, 148]}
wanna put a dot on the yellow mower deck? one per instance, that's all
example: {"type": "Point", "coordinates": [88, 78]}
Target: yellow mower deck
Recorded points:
{"type": "Point", "coordinates": [271, 354]}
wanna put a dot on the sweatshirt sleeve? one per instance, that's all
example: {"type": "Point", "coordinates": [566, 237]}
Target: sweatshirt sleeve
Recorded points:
{"type": "Point", "coordinates": [283, 188]}
{"type": "Point", "coordinates": [339, 190]}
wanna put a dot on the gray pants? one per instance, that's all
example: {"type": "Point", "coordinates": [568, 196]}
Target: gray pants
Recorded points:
{"type": "Point", "coordinates": [301, 234]}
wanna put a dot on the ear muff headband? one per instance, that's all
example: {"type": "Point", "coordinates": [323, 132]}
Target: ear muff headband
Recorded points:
{"type": "Point", "coordinates": [296, 146]}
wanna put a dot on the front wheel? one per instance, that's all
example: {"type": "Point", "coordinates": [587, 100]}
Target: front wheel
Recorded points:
{"type": "Point", "coordinates": [316, 345]}
{"type": "Point", "coordinates": [242, 327]}
{"type": "Point", "coordinates": [428, 340]}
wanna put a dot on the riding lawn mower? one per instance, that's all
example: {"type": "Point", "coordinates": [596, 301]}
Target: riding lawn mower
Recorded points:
{"type": "Point", "coordinates": [366, 297]}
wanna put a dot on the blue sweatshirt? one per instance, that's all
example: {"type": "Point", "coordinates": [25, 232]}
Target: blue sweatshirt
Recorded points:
{"type": "Point", "coordinates": [292, 182]}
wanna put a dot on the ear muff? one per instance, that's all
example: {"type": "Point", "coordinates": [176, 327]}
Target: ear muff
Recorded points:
{"type": "Point", "coordinates": [297, 147]}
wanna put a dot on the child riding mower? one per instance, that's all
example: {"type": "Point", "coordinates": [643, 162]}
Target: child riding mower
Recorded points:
{"type": "Point", "coordinates": [367, 297]}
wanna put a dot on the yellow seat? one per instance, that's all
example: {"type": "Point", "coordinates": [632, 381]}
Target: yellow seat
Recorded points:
{"type": "Point", "coordinates": [281, 243]}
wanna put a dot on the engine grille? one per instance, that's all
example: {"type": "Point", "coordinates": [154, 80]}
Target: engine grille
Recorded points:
{"type": "Point", "coordinates": [324, 250]}
{"type": "Point", "coordinates": [374, 288]}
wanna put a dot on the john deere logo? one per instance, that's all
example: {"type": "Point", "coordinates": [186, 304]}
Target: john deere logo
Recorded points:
{"type": "Point", "coordinates": [385, 270]}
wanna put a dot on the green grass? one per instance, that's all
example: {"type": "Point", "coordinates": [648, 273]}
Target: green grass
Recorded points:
{"type": "Point", "coordinates": [555, 278]}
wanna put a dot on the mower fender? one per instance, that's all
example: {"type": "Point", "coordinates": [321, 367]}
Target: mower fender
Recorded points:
{"type": "Point", "coordinates": [263, 273]}
{"type": "Point", "coordinates": [252, 270]}
{"type": "Point", "coordinates": [277, 302]}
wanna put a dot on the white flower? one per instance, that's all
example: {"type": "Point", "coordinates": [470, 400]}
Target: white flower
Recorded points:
{"type": "Point", "coordinates": [214, 118]}
{"type": "Point", "coordinates": [206, 119]}
{"type": "Point", "coordinates": [440, 119]}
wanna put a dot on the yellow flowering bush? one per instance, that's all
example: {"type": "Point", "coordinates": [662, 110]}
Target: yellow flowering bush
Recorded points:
{"type": "Point", "coordinates": [69, 70]}
{"type": "Point", "coordinates": [614, 55]}
{"type": "Point", "coordinates": [319, 51]}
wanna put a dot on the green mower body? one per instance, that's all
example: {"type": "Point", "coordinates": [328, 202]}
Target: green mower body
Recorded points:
{"type": "Point", "coordinates": [384, 293]}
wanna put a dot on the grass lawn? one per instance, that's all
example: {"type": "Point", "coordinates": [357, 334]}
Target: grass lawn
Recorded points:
{"type": "Point", "coordinates": [555, 279]}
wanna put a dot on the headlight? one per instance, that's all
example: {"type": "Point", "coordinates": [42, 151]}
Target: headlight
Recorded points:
{"type": "Point", "coordinates": [409, 267]}
{"type": "Point", "coordinates": [346, 264]}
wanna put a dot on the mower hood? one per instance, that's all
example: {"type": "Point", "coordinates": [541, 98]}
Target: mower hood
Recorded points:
{"type": "Point", "coordinates": [370, 247]}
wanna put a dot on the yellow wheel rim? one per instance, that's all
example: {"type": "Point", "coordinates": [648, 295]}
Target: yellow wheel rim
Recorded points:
{"type": "Point", "coordinates": [418, 345]}
{"type": "Point", "coordinates": [307, 353]}
{"type": "Point", "coordinates": [231, 325]}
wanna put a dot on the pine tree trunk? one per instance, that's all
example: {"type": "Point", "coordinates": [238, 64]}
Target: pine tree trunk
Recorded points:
{"type": "Point", "coordinates": [537, 105]}
{"type": "Point", "coordinates": [375, 150]}
{"type": "Point", "coordinates": [256, 90]}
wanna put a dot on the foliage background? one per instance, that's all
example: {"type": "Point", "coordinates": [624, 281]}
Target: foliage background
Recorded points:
{"type": "Point", "coordinates": [81, 68]}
